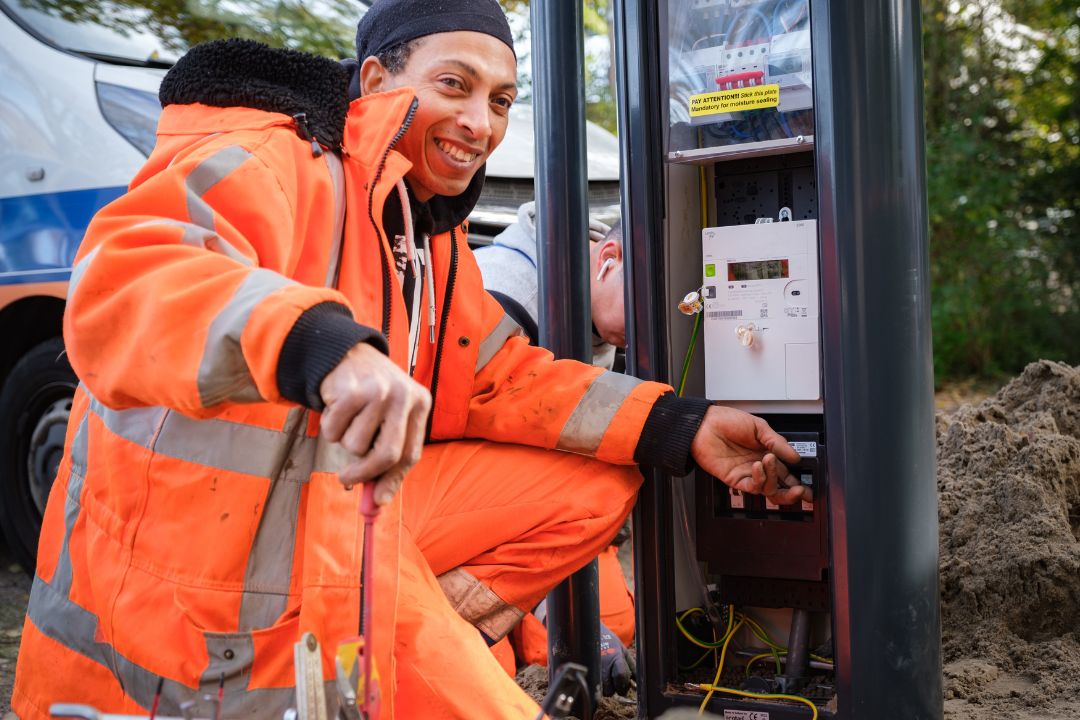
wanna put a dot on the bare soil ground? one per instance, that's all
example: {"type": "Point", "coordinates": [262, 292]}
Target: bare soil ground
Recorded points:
{"type": "Point", "coordinates": [14, 594]}
{"type": "Point", "coordinates": [1009, 494]}
{"type": "Point", "coordinates": [1009, 484]}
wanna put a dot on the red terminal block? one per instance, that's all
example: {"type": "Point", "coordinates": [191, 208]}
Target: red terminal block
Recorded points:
{"type": "Point", "coordinates": [733, 81]}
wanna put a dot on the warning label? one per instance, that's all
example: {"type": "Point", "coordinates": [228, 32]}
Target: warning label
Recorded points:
{"type": "Point", "coordinates": [726, 101]}
{"type": "Point", "coordinates": [745, 715]}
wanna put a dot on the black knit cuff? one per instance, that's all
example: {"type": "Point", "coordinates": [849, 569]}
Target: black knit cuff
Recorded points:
{"type": "Point", "coordinates": [318, 341]}
{"type": "Point", "coordinates": [669, 430]}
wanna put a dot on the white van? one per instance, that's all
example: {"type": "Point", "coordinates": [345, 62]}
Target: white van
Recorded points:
{"type": "Point", "coordinates": [78, 111]}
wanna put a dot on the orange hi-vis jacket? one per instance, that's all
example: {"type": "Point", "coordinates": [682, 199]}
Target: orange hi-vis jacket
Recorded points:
{"type": "Point", "coordinates": [196, 527]}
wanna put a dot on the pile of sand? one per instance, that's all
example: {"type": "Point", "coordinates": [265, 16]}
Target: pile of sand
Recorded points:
{"type": "Point", "coordinates": [1009, 489]}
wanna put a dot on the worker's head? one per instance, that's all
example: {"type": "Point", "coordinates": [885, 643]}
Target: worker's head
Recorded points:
{"type": "Point", "coordinates": [458, 56]}
{"type": "Point", "coordinates": [606, 261]}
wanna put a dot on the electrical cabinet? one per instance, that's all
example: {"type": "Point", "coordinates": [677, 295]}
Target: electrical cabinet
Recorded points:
{"type": "Point", "coordinates": [772, 164]}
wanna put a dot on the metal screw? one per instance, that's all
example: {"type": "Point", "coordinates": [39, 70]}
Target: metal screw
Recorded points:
{"type": "Point", "coordinates": [229, 654]}
{"type": "Point", "coordinates": [678, 153]}
{"type": "Point", "coordinates": [800, 140]}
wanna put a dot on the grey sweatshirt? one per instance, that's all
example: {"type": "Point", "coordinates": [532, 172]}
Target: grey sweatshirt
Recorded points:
{"type": "Point", "coordinates": [508, 266]}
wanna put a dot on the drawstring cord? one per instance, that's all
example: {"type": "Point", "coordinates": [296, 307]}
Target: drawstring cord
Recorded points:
{"type": "Point", "coordinates": [430, 287]}
{"type": "Point", "coordinates": [410, 245]}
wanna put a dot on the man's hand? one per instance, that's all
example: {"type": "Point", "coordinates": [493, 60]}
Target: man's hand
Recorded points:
{"type": "Point", "coordinates": [378, 413]}
{"type": "Point", "coordinates": [745, 454]}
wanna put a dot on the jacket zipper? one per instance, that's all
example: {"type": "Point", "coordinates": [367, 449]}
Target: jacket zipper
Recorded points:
{"type": "Point", "coordinates": [387, 287]}
{"type": "Point", "coordinates": [450, 278]}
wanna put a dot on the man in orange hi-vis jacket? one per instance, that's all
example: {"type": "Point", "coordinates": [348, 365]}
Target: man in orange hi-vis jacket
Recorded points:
{"type": "Point", "coordinates": [282, 304]}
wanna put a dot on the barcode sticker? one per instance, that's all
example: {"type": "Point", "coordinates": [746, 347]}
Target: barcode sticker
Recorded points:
{"type": "Point", "coordinates": [723, 314]}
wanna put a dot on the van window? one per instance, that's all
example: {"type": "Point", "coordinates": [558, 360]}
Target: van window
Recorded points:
{"type": "Point", "coordinates": [156, 33]}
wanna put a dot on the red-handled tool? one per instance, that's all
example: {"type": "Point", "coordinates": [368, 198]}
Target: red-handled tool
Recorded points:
{"type": "Point", "coordinates": [357, 676]}
{"type": "Point", "coordinates": [370, 700]}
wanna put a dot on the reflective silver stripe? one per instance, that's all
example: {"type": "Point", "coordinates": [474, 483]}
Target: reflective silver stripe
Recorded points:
{"type": "Point", "coordinates": [59, 618]}
{"type": "Point", "coordinates": [206, 175]}
{"type": "Point", "coordinates": [269, 566]}
{"type": "Point", "coordinates": [72, 506]}
{"type": "Point", "coordinates": [503, 331]}
{"type": "Point", "coordinates": [79, 269]}
{"type": "Point", "coordinates": [80, 446]}
{"type": "Point", "coordinates": [479, 604]}
{"type": "Point", "coordinates": [337, 176]}
{"type": "Point", "coordinates": [585, 427]}
{"type": "Point", "coordinates": [138, 425]}
{"type": "Point", "coordinates": [220, 444]}
{"type": "Point", "coordinates": [329, 457]}
{"type": "Point", "coordinates": [196, 236]}
{"type": "Point", "coordinates": [223, 372]}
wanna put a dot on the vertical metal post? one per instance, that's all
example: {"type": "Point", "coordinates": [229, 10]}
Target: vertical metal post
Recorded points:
{"type": "Point", "coordinates": [879, 409]}
{"type": "Point", "coordinates": [641, 173]}
{"type": "Point", "coordinates": [562, 222]}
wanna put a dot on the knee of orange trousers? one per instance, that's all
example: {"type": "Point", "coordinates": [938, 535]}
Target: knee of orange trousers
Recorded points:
{"type": "Point", "coordinates": [518, 538]}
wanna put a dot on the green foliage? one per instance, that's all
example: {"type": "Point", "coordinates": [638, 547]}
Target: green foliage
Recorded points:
{"type": "Point", "coordinates": [1003, 164]}
{"type": "Point", "coordinates": [599, 49]}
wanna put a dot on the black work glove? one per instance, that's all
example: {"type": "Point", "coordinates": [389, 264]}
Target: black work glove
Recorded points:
{"type": "Point", "coordinates": [617, 665]}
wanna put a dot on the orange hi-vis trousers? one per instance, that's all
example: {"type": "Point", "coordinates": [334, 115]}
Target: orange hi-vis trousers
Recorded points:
{"type": "Point", "coordinates": [486, 531]}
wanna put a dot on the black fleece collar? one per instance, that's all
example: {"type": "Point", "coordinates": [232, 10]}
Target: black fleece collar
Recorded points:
{"type": "Point", "coordinates": [245, 73]}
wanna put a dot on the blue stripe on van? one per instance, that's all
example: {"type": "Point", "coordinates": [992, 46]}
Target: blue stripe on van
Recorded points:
{"type": "Point", "coordinates": [39, 234]}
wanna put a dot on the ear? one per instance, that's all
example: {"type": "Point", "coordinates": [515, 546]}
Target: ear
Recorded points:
{"type": "Point", "coordinates": [374, 76]}
{"type": "Point", "coordinates": [610, 249]}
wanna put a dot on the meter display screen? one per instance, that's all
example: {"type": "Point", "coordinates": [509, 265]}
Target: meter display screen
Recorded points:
{"type": "Point", "coordinates": [758, 270]}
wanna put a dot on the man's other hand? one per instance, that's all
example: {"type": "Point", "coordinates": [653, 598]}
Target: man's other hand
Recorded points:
{"type": "Point", "coordinates": [745, 454]}
{"type": "Point", "coordinates": [378, 413]}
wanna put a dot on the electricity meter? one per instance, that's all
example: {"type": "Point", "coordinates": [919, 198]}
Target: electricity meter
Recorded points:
{"type": "Point", "coordinates": [760, 293]}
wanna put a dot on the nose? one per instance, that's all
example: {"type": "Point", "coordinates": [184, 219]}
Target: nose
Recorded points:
{"type": "Point", "coordinates": [475, 118]}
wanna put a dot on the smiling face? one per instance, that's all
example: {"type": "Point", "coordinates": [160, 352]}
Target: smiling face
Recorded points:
{"type": "Point", "coordinates": [465, 83]}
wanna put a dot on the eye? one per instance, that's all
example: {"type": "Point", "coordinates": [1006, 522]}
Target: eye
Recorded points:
{"type": "Point", "coordinates": [502, 102]}
{"type": "Point", "coordinates": [452, 82]}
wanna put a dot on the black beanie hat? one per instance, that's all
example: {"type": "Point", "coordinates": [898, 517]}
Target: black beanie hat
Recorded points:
{"type": "Point", "coordinates": [392, 22]}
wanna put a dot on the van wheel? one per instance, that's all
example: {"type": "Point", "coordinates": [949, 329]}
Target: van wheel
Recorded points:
{"type": "Point", "coordinates": [34, 408]}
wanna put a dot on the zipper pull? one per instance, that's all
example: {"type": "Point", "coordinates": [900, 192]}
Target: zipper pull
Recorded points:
{"type": "Point", "coordinates": [305, 134]}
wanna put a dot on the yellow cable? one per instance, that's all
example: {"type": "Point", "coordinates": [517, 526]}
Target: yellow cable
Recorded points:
{"type": "Point", "coordinates": [762, 656]}
{"type": "Point", "coordinates": [759, 696]}
{"type": "Point", "coordinates": [696, 641]}
{"type": "Point", "coordinates": [720, 665]}
{"type": "Point", "coordinates": [704, 643]}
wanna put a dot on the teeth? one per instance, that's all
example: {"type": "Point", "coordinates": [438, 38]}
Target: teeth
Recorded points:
{"type": "Point", "coordinates": [455, 152]}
